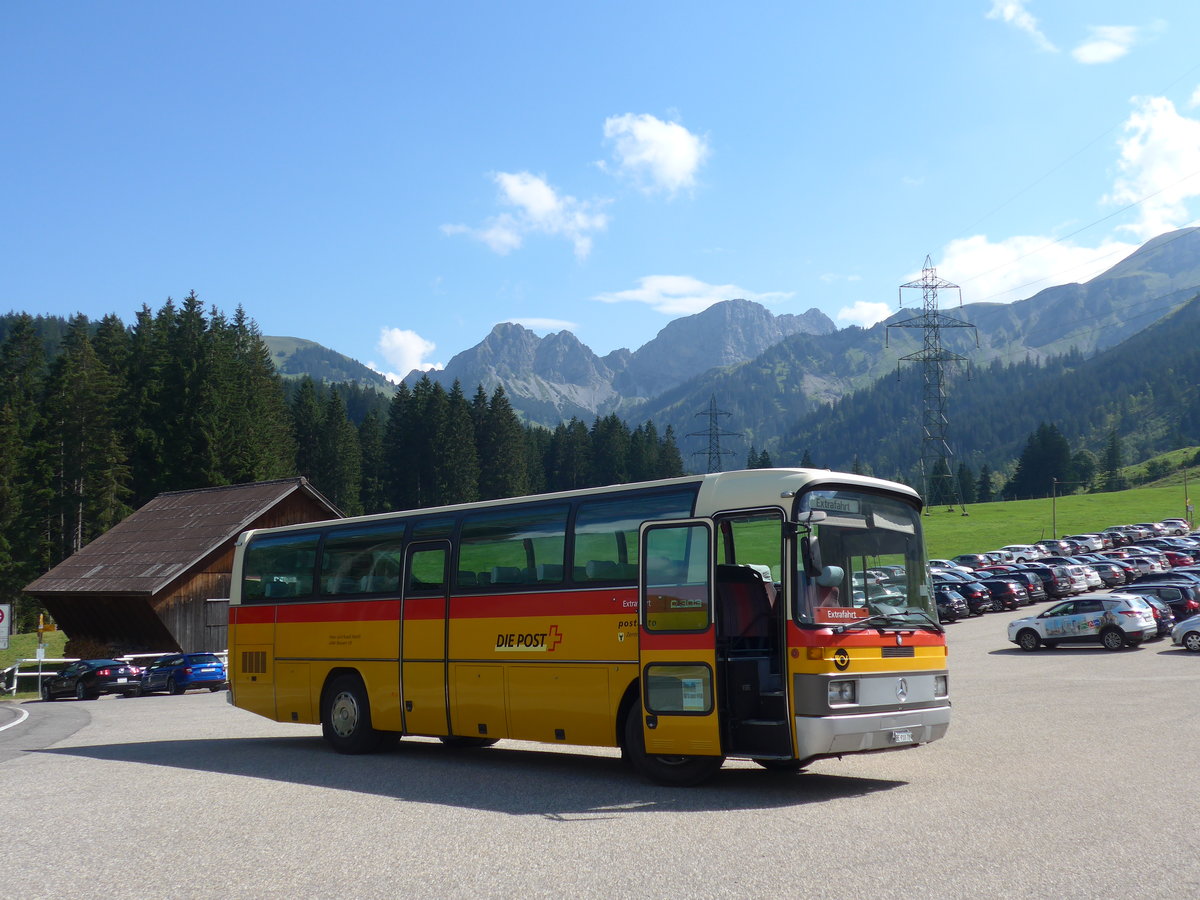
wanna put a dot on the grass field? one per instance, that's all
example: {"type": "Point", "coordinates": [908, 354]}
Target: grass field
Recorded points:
{"type": "Point", "coordinates": [988, 526]}
{"type": "Point", "coordinates": [24, 646]}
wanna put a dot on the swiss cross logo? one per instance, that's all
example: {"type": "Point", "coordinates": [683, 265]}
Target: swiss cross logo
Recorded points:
{"type": "Point", "coordinates": [554, 638]}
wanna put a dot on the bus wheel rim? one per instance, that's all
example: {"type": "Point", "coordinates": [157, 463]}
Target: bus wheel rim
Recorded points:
{"type": "Point", "coordinates": [344, 714]}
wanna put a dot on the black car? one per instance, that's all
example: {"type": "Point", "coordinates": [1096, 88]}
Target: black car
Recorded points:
{"type": "Point", "coordinates": [87, 679]}
{"type": "Point", "coordinates": [1183, 599]}
{"type": "Point", "coordinates": [1056, 581]}
{"type": "Point", "coordinates": [1007, 592]}
{"type": "Point", "coordinates": [978, 597]}
{"type": "Point", "coordinates": [1164, 618]}
{"type": "Point", "coordinates": [951, 605]}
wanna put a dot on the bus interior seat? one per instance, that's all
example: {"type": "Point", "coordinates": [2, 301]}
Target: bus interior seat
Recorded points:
{"type": "Point", "coordinates": [466, 578]}
{"type": "Point", "coordinates": [743, 607]}
{"type": "Point", "coordinates": [507, 575]}
{"type": "Point", "coordinates": [549, 573]}
{"type": "Point", "coordinates": [601, 570]}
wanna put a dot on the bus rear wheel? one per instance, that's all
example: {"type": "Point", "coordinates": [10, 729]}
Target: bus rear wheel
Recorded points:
{"type": "Point", "coordinates": [673, 771]}
{"type": "Point", "coordinates": [346, 716]}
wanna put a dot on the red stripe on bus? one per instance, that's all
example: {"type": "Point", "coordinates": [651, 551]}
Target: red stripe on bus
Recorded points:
{"type": "Point", "coordinates": [650, 641]}
{"type": "Point", "coordinates": [252, 615]}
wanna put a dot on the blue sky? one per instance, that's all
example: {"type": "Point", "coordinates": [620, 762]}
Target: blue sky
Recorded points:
{"type": "Point", "coordinates": [393, 179]}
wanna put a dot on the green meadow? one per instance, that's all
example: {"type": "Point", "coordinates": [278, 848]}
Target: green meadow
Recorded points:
{"type": "Point", "coordinates": [988, 526]}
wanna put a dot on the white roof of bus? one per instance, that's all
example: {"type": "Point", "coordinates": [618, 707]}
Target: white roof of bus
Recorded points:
{"type": "Point", "coordinates": [719, 491]}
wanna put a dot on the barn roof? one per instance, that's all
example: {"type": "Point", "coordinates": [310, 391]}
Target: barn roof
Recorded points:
{"type": "Point", "coordinates": [170, 535]}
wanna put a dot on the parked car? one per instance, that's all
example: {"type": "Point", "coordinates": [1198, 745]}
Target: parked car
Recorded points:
{"type": "Point", "coordinates": [951, 605]}
{"type": "Point", "coordinates": [1053, 548]}
{"type": "Point", "coordinates": [1023, 552]}
{"type": "Point", "coordinates": [978, 597]}
{"type": "Point", "coordinates": [971, 560]}
{"type": "Point", "coordinates": [1114, 620]}
{"type": "Point", "coordinates": [1184, 599]}
{"type": "Point", "coordinates": [1177, 526]}
{"type": "Point", "coordinates": [1187, 634]}
{"type": "Point", "coordinates": [179, 672]}
{"type": "Point", "coordinates": [1118, 537]}
{"type": "Point", "coordinates": [1007, 593]}
{"type": "Point", "coordinates": [87, 679]}
{"type": "Point", "coordinates": [1088, 542]}
{"type": "Point", "coordinates": [1163, 617]}
{"type": "Point", "coordinates": [1056, 580]}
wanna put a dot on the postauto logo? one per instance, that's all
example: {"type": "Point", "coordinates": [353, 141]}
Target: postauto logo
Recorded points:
{"type": "Point", "coordinates": [530, 641]}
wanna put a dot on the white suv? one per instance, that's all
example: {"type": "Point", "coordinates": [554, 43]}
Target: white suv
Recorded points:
{"type": "Point", "coordinates": [1023, 552]}
{"type": "Point", "coordinates": [1115, 620]}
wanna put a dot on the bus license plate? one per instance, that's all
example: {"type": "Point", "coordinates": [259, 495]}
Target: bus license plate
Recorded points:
{"type": "Point", "coordinates": [903, 736]}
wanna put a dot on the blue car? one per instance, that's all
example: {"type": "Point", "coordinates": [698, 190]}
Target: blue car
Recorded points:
{"type": "Point", "coordinates": [179, 672]}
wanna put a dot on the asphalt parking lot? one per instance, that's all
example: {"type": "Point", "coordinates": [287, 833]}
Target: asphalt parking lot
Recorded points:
{"type": "Point", "coordinates": [1066, 773]}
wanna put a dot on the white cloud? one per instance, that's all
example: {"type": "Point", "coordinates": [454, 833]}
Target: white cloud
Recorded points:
{"type": "Point", "coordinates": [1014, 13]}
{"type": "Point", "coordinates": [864, 313]}
{"type": "Point", "coordinates": [538, 209]}
{"type": "Point", "coordinates": [657, 155]}
{"type": "Point", "coordinates": [682, 295]}
{"type": "Point", "coordinates": [1195, 99]}
{"type": "Point", "coordinates": [1159, 167]}
{"type": "Point", "coordinates": [1105, 44]}
{"type": "Point", "coordinates": [545, 325]}
{"type": "Point", "coordinates": [403, 351]}
{"type": "Point", "coordinates": [1019, 267]}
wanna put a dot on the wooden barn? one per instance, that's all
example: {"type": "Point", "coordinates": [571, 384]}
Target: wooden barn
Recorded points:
{"type": "Point", "coordinates": [160, 579]}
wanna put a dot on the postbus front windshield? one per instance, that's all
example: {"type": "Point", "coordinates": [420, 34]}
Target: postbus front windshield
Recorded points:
{"type": "Point", "coordinates": [861, 555]}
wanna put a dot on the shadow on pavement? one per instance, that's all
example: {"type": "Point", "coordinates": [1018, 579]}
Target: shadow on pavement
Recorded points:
{"type": "Point", "coordinates": [506, 778]}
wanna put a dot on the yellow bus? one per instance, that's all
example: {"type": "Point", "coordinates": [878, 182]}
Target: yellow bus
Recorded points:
{"type": "Point", "coordinates": [686, 621]}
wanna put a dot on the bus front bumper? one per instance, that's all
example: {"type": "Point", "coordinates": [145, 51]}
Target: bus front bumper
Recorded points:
{"type": "Point", "coordinates": [894, 730]}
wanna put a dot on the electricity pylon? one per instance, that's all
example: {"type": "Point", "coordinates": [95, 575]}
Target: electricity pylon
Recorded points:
{"type": "Point", "coordinates": [714, 435]}
{"type": "Point", "coordinates": [934, 359]}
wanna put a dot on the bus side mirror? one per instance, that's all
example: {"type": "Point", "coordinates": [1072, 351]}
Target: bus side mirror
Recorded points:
{"type": "Point", "coordinates": [810, 551]}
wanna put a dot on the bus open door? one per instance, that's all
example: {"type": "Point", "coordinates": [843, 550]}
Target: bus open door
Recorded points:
{"type": "Point", "coordinates": [676, 738]}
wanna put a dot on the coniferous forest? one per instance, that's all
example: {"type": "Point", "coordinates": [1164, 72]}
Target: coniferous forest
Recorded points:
{"type": "Point", "coordinates": [98, 418]}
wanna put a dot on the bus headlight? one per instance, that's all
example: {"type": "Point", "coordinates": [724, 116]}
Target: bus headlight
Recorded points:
{"type": "Point", "coordinates": [941, 685]}
{"type": "Point", "coordinates": [843, 692]}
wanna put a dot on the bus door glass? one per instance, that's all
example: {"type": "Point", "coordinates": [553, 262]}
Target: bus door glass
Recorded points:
{"type": "Point", "coordinates": [677, 645]}
{"type": "Point", "coordinates": [423, 638]}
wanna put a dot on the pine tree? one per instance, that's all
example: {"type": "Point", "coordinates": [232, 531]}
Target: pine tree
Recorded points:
{"type": "Point", "coordinates": [307, 424]}
{"type": "Point", "coordinates": [1112, 479]}
{"type": "Point", "coordinates": [90, 471]}
{"type": "Point", "coordinates": [394, 461]}
{"type": "Point", "coordinates": [370, 441]}
{"type": "Point", "coordinates": [983, 489]}
{"type": "Point", "coordinates": [460, 459]}
{"type": "Point", "coordinates": [340, 457]}
{"type": "Point", "coordinates": [569, 457]}
{"type": "Point", "coordinates": [610, 451]}
{"type": "Point", "coordinates": [966, 483]}
{"type": "Point", "coordinates": [502, 470]}
{"type": "Point", "coordinates": [670, 462]}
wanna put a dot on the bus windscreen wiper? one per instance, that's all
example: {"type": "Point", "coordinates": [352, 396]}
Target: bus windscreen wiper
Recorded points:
{"type": "Point", "coordinates": [894, 619]}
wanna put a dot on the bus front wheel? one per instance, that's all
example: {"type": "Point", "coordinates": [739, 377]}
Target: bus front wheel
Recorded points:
{"type": "Point", "coordinates": [346, 716]}
{"type": "Point", "coordinates": [673, 771]}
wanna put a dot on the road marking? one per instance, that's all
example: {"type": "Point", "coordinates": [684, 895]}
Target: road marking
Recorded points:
{"type": "Point", "coordinates": [24, 715]}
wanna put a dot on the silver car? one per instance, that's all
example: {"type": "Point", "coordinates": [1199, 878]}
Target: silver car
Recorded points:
{"type": "Point", "coordinates": [1114, 620]}
{"type": "Point", "coordinates": [1187, 634]}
